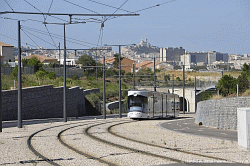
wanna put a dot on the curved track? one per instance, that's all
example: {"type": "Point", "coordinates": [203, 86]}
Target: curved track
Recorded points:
{"type": "Point", "coordinates": [95, 141]}
{"type": "Point", "coordinates": [162, 147]}
{"type": "Point", "coordinates": [46, 157]}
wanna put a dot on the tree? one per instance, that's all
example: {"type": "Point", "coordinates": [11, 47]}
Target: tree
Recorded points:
{"type": "Point", "coordinates": [41, 74]}
{"type": "Point", "coordinates": [34, 62]}
{"type": "Point", "coordinates": [243, 82]}
{"type": "Point", "coordinates": [227, 85]}
{"type": "Point", "coordinates": [52, 75]}
{"type": "Point", "coordinates": [116, 62]}
{"type": "Point", "coordinates": [86, 60]}
{"type": "Point", "coordinates": [15, 72]}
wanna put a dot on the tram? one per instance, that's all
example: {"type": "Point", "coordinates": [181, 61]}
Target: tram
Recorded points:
{"type": "Point", "coordinates": [144, 104]}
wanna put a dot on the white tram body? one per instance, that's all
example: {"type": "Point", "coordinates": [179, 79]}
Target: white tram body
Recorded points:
{"type": "Point", "coordinates": [148, 104]}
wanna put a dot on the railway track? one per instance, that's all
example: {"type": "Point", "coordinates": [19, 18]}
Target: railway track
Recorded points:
{"type": "Point", "coordinates": [58, 159]}
{"type": "Point", "coordinates": [95, 143]}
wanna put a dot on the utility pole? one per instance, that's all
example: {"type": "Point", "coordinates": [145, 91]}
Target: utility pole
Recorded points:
{"type": "Point", "coordinates": [133, 76]}
{"type": "Point", "coordinates": [119, 66]}
{"type": "Point", "coordinates": [104, 90]}
{"type": "Point", "coordinates": [183, 89]}
{"type": "Point", "coordinates": [64, 85]}
{"type": "Point", "coordinates": [1, 123]}
{"type": "Point", "coordinates": [172, 83]}
{"type": "Point", "coordinates": [154, 77]}
{"type": "Point", "coordinates": [19, 78]}
{"type": "Point", "coordinates": [195, 104]}
{"type": "Point", "coordinates": [120, 92]}
{"type": "Point", "coordinates": [59, 59]}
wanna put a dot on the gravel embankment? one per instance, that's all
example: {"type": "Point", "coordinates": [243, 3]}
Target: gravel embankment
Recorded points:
{"type": "Point", "coordinates": [14, 149]}
{"type": "Point", "coordinates": [148, 131]}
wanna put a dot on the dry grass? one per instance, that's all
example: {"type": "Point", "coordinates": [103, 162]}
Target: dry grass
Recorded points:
{"type": "Point", "coordinates": [192, 75]}
{"type": "Point", "coordinates": [246, 93]}
{"type": "Point", "coordinates": [216, 97]}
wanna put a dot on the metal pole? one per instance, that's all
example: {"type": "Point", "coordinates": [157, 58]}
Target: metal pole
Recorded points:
{"type": "Point", "coordinates": [1, 123]}
{"type": "Point", "coordinates": [237, 90]}
{"type": "Point", "coordinates": [19, 79]}
{"type": "Point", "coordinates": [195, 104]}
{"type": "Point", "coordinates": [59, 60]}
{"type": "Point", "coordinates": [120, 103]}
{"type": "Point", "coordinates": [64, 85]}
{"type": "Point", "coordinates": [104, 90]}
{"type": "Point", "coordinates": [133, 76]}
{"type": "Point", "coordinates": [183, 89]}
{"type": "Point", "coordinates": [172, 83]}
{"type": "Point", "coordinates": [154, 77]}
{"type": "Point", "coordinates": [162, 105]}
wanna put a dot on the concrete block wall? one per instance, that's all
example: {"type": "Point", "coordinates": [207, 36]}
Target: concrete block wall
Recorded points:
{"type": "Point", "coordinates": [220, 113]}
{"type": "Point", "coordinates": [43, 102]}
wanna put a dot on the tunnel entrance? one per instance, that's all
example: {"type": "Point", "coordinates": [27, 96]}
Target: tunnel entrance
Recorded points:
{"type": "Point", "coordinates": [181, 104]}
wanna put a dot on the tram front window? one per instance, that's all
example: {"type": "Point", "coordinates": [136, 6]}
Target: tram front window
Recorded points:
{"type": "Point", "coordinates": [136, 103]}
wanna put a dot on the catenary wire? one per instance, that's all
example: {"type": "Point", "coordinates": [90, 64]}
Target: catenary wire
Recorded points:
{"type": "Point", "coordinates": [40, 31]}
{"type": "Point", "coordinates": [50, 35]}
{"type": "Point", "coordinates": [38, 37]}
{"type": "Point", "coordinates": [16, 40]}
{"type": "Point", "coordinates": [116, 10]}
{"type": "Point", "coordinates": [147, 8]}
{"type": "Point", "coordinates": [154, 6]}
{"type": "Point", "coordinates": [50, 7]}
{"type": "Point", "coordinates": [30, 37]}
{"type": "Point", "coordinates": [109, 6]}
{"type": "Point", "coordinates": [60, 37]}
{"type": "Point", "coordinates": [43, 13]}
{"type": "Point", "coordinates": [81, 7]}
{"type": "Point", "coordinates": [44, 20]}
{"type": "Point", "coordinates": [9, 5]}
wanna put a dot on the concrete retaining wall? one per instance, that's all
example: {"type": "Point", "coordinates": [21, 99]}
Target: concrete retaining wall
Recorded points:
{"type": "Point", "coordinates": [43, 102]}
{"type": "Point", "coordinates": [220, 113]}
{"type": "Point", "coordinates": [112, 106]}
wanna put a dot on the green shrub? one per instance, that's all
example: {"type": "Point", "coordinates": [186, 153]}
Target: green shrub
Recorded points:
{"type": "Point", "coordinates": [41, 74]}
{"type": "Point", "coordinates": [52, 75]}
{"type": "Point", "coordinates": [15, 72]}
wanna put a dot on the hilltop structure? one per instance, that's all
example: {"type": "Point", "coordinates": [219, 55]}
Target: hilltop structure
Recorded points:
{"type": "Point", "coordinates": [142, 50]}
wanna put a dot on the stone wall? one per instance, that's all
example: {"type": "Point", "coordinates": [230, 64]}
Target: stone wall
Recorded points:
{"type": "Point", "coordinates": [43, 102]}
{"type": "Point", "coordinates": [220, 113]}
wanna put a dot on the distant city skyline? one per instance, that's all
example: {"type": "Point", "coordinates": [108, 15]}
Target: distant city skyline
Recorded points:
{"type": "Point", "coordinates": [207, 25]}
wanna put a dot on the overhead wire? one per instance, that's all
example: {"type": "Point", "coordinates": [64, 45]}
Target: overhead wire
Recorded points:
{"type": "Point", "coordinates": [16, 40]}
{"type": "Point", "coordinates": [154, 6]}
{"type": "Point", "coordinates": [109, 6]}
{"type": "Point", "coordinates": [9, 6]}
{"type": "Point", "coordinates": [30, 37]}
{"type": "Point", "coordinates": [60, 37]}
{"type": "Point", "coordinates": [39, 38]}
{"type": "Point", "coordinates": [50, 35]}
{"type": "Point", "coordinates": [157, 5]}
{"type": "Point", "coordinates": [44, 20]}
{"type": "Point", "coordinates": [116, 10]}
{"type": "Point", "coordinates": [43, 13]}
{"type": "Point", "coordinates": [81, 7]}
{"type": "Point", "coordinates": [49, 8]}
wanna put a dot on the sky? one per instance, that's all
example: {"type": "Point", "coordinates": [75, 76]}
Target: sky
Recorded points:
{"type": "Point", "coordinates": [195, 25]}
